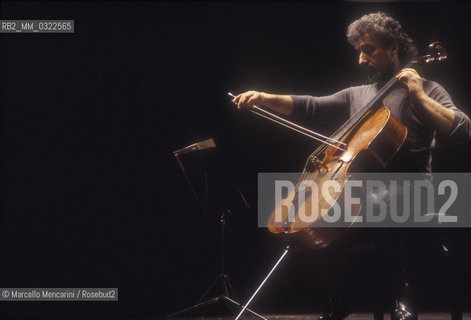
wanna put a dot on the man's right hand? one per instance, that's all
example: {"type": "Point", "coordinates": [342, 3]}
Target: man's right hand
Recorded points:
{"type": "Point", "coordinates": [280, 103]}
{"type": "Point", "coordinates": [249, 99]}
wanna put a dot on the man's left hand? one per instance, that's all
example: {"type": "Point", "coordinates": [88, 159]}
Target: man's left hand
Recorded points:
{"type": "Point", "coordinates": [411, 79]}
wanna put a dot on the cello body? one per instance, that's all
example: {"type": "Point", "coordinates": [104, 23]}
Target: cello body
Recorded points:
{"type": "Point", "coordinates": [378, 133]}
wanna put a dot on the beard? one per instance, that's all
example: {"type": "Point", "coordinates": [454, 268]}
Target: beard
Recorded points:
{"type": "Point", "coordinates": [375, 75]}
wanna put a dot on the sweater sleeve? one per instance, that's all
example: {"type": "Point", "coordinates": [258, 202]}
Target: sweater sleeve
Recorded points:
{"type": "Point", "coordinates": [321, 109]}
{"type": "Point", "coordinates": [461, 129]}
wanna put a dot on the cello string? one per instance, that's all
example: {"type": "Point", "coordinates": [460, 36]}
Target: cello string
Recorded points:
{"type": "Point", "coordinates": [356, 117]}
{"type": "Point", "coordinates": [343, 129]}
{"type": "Point", "coordinates": [372, 103]}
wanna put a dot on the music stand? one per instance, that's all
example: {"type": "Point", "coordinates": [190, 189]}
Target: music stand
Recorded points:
{"type": "Point", "coordinates": [222, 278]}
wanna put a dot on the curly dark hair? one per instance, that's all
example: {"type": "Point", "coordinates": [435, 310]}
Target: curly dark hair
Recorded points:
{"type": "Point", "coordinates": [387, 30]}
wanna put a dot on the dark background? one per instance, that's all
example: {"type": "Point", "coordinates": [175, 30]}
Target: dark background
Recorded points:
{"type": "Point", "coordinates": [91, 193]}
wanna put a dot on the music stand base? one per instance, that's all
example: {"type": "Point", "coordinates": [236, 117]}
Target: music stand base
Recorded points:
{"type": "Point", "coordinates": [225, 283]}
{"type": "Point", "coordinates": [222, 298]}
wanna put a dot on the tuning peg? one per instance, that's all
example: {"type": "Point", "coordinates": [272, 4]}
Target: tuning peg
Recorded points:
{"type": "Point", "coordinates": [437, 51]}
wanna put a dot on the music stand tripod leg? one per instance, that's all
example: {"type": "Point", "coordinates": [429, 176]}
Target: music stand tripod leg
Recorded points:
{"type": "Point", "coordinates": [192, 308]}
{"type": "Point", "coordinates": [227, 285]}
{"type": "Point", "coordinates": [210, 288]}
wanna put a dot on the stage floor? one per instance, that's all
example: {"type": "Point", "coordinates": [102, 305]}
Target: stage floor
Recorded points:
{"type": "Point", "coordinates": [353, 316]}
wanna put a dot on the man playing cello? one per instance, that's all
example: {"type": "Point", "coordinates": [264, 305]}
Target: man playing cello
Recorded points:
{"type": "Point", "coordinates": [422, 106]}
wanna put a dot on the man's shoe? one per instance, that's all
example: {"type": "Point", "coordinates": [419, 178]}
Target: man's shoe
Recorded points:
{"type": "Point", "coordinates": [402, 310]}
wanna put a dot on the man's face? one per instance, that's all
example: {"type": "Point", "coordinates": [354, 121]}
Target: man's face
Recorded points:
{"type": "Point", "coordinates": [376, 60]}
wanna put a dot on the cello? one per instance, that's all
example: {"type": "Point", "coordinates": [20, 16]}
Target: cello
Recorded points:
{"type": "Point", "coordinates": [372, 129]}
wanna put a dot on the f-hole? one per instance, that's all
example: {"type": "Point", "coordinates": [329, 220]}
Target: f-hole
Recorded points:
{"type": "Point", "coordinates": [341, 162]}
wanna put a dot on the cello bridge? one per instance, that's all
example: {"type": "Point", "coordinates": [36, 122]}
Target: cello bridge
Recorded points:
{"type": "Point", "coordinates": [317, 165]}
